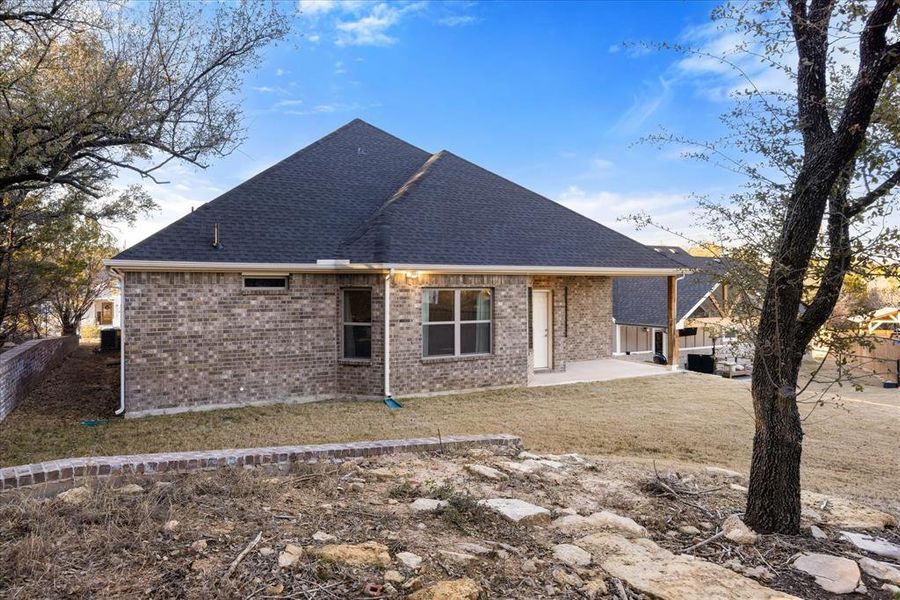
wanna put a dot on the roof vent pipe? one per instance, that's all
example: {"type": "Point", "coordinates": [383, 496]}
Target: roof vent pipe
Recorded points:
{"type": "Point", "coordinates": [215, 235]}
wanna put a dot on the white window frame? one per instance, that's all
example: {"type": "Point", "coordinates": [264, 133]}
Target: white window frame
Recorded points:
{"type": "Point", "coordinates": [457, 323]}
{"type": "Point", "coordinates": [244, 285]}
{"type": "Point", "coordinates": [344, 323]}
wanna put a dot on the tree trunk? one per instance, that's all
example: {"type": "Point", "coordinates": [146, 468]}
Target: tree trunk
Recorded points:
{"type": "Point", "coordinates": [773, 500]}
{"type": "Point", "coordinates": [69, 328]}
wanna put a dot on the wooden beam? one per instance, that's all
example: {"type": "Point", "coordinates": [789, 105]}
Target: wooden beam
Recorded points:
{"type": "Point", "coordinates": [672, 350]}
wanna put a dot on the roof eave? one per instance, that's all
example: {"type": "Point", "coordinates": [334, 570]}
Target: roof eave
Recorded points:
{"type": "Point", "coordinates": [219, 267]}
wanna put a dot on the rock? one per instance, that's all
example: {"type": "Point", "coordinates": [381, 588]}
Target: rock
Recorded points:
{"type": "Point", "coordinates": [872, 544]}
{"type": "Point", "coordinates": [522, 468]}
{"type": "Point", "coordinates": [518, 511]}
{"type": "Point", "coordinates": [524, 455]}
{"type": "Point", "coordinates": [737, 487]}
{"type": "Point", "coordinates": [75, 496]}
{"type": "Point", "coordinates": [892, 589]}
{"type": "Point", "coordinates": [473, 548]}
{"type": "Point", "coordinates": [162, 485]}
{"type": "Point", "coordinates": [610, 520]}
{"type": "Point", "coordinates": [834, 574]}
{"type": "Point", "coordinates": [450, 589]}
{"type": "Point", "coordinates": [603, 520]}
{"type": "Point", "coordinates": [171, 525]}
{"type": "Point", "coordinates": [357, 486]}
{"type": "Point", "coordinates": [321, 536]}
{"type": "Point", "coordinates": [841, 512]}
{"type": "Point", "coordinates": [657, 572]}
{"type": "Point", "coordinates": [759, 572]}
{"type": "Point", "coordinates": [817, 533]}
{"type": "Point", "coordinates": [565, 578]}
{"type": "Point", "coordinates": [689, 530]}
{"type": "Point", "coordinates": [384, 473]}
{"type": "Point", "coordinates": [289, 556]}
{"type": "Point", "coordinates": [131, 489]}
{"type": "Point", "coordinates": [723, 473]}
{"type": "Point", "coordinates": [427, 504]}
{"type": "Point", "coordinates": [810, 515]}
{"type": "Point", "coordinates": [409, 560]}
{"type": "Point", "coordinates": [266, 551]}
{"type": "Point", "coordinates": [486, 472]}
{"type": "Point", "coordinates": [571, 555]}
{"type": "Point", "coordinates": [737, 532]}
{"type": "Point", "coordinates": [595, 588]}
{"type": "Point", "coordinates": [706, 525]}
{"type": "Point", "coordinates": [367, 553]}
{"type": "Point", "coordinates": [394, 576]}
{"type": "Point", "coordinates": [199, 546]}
{"type": "Point", "coordinates": [551, 464]}
{"type": "Point", "coordinates": [529, 566]}
{"type": "Point", "coordinates": [880, 570]}
{"type": "Point", "coordinates": [460, 558]}
{"type": "Point", "coordinates": [275, 590]}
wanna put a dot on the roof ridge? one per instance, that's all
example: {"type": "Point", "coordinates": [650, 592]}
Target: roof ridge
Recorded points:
{"type": "Point", "coordinates": [374, 220]}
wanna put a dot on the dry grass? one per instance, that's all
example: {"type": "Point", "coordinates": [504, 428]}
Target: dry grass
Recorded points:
{"type": "Point", "coordinates": [850, 449]}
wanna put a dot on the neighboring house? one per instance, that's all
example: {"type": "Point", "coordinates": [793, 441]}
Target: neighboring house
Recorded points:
{"type": "Point", "coordinates": [884, 322]}
{"type": "Point", "coordinates": [640, 309]}
{"type": "Point", "coordinates": [282, 288]}
{"type": "Point", "coordinates": [103, 314]}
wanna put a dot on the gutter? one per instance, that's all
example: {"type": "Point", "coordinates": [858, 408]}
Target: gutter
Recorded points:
{"type": "Point", "coordinates": [121, 277]}
{"type": "Point", "coordinates": [388, 400]}
{"type": "Point", "coordinates": [347, 267]}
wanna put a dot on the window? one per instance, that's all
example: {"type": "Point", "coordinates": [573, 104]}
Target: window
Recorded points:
{"type": "Point", "coordinates": [456, 322]}
{"type": "Point", "coordinates": [357, 319]}
{"type": "Point", "coordinates": [265, 283]}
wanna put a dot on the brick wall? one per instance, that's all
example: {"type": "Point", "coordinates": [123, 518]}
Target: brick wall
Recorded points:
{"type": "Point", "coordinates": [198, 339]}
{"type": "Point", "coordinates": [582, 317]}
{"type": "Point", "coordinates": [23, 367]}
{"type": "Point", "coordinates": [506, 365]}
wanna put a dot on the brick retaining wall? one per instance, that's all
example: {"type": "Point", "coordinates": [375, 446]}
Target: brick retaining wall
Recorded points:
{"type": "Point", "coordinates": [59, 474]}
{"type": "Point", "coordinates": [23, 367]}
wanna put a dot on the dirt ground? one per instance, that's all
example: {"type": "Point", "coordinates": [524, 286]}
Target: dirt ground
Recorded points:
{"type": "Point", "coordinates": [850, 445]}
{"type": "Point", "coordinates": [178, 539]}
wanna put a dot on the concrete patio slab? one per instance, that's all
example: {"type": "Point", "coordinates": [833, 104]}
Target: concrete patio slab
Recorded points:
{"type": "Point", "coordinates": [604, 369]}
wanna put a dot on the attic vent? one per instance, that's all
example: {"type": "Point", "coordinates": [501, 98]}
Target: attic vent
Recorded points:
{"type": "Point", "coordinates": [216, 243]}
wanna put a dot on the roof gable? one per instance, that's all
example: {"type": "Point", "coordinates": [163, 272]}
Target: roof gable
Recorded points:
{"type": "Point", "coordinates": [366, 196]}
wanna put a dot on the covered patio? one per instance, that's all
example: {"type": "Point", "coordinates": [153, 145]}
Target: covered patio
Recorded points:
{"type": "Point", "coordinates": [602, 369]}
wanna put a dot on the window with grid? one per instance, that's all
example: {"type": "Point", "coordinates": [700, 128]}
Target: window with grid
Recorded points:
{"type": "Point", "coordinates": [456, 322]}
{"type": "Point", "coordinates": [357, 319]}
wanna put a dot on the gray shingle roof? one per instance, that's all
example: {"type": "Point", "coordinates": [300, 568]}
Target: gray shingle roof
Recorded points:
{"type": "Point", "coordinates": [364, 195]}
{"type": "Point", "coordinates": [642, 300]}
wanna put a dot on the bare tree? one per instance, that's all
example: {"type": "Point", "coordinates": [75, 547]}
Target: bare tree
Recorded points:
{"type": "Point", "coordinates": [822, 167]}
{"type": "Point", "coordinates": [91, 88]}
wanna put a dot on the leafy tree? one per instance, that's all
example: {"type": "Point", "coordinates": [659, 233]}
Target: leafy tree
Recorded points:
{"type": "Point", "coordinates": [91, 88]}
{"type": "Point", "coordinates": [78, 276]}
{"type": "Point", "coordinates": [821, 160]}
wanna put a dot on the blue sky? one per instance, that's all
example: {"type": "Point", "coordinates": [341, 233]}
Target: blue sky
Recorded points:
{"type": "Point", "coordinates": [543, 93]}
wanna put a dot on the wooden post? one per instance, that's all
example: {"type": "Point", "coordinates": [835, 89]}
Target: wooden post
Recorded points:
{"type": "Point", "coordinates": [672, 350]}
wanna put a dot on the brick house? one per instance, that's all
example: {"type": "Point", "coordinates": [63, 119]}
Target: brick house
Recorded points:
{"type": "Point", "coordinates": [701, 319]}
{"type": "Point", "coordinates": [282, 289]}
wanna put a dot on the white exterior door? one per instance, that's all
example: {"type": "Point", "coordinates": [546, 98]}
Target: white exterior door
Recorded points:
{"type": "Point", "coordinates": [540, 328]}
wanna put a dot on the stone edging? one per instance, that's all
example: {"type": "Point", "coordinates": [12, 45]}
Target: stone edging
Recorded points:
{"type": "Point", "coordinates": [63, 472]}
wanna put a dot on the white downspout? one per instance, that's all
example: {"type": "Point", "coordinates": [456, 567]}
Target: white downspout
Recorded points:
{"type": "Point", "coordinates": [121, 409]}
{"type": "Point", "coordinates": [675, 367]}
{"type": "Point", "coordinates": [387, 334]}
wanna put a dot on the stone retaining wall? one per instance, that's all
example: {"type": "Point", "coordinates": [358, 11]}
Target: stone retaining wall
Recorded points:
{"type": "Point", "coordinates": [58, 474]}
{"type": "Point", "coordinates": [23, 367]}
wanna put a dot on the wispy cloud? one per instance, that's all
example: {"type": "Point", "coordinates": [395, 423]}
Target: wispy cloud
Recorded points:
{"type": "Point", "coordinates": [359, 23]}
{"type": "Point", "coordinates": [334, 107]}
{"type": "Point", "coordinates": [269, 89]}
{"type": "Point", "coordinates": [457, 20]}
{"type": "Point", "coordinates": [607, 207]}
{"type": "Point", "coordinates": [286, 103]}
{"type": "Point", "coordinates": [645, 106]}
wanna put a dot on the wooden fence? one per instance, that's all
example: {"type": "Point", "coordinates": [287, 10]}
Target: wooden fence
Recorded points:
{"type": "Point", "coordinates": [882, 358]}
